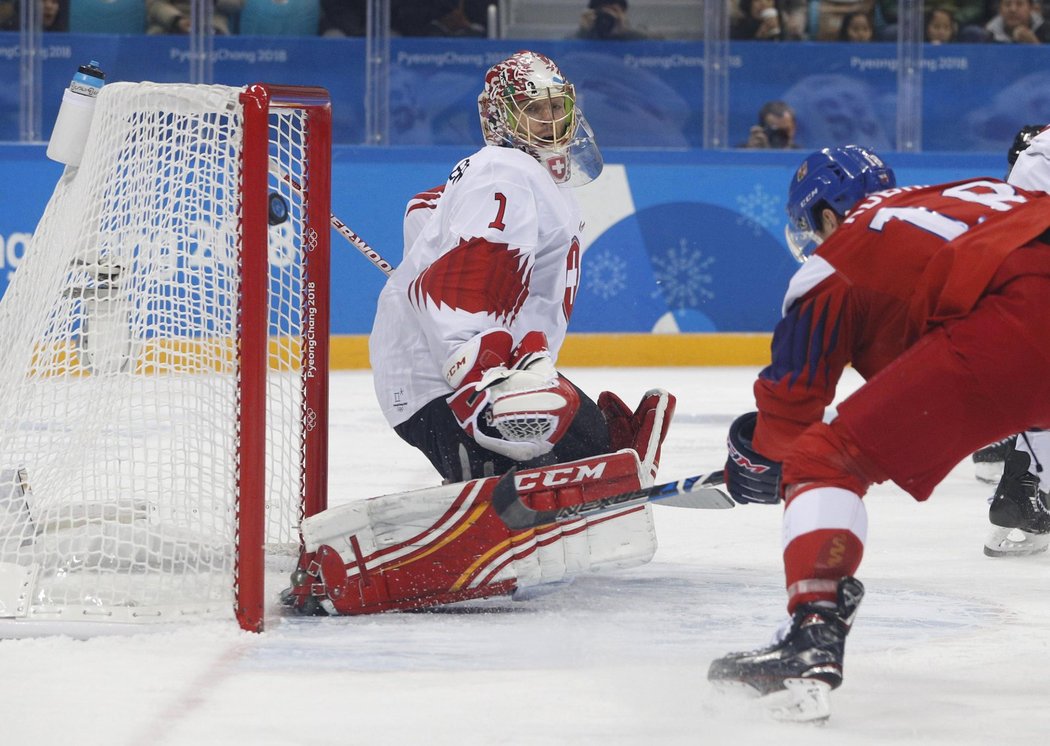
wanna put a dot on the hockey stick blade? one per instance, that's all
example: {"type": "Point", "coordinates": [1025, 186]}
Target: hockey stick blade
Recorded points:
{"type": "Point", "coordinates": [692, 492]}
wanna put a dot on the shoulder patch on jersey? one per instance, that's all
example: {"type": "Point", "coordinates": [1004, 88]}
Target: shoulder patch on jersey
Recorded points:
{"type": "Point", "coordinates": [458, 171]}
{"type": "Point", "coordinates": [815, 270]}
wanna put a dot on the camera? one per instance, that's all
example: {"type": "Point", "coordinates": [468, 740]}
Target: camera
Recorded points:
{"type": "Point", "coordinates": [604, 23]}
{"type": "Point", "coordinates": [777, 138]}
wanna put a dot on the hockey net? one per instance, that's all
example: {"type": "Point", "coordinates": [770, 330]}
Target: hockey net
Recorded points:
{"type": "Point", "coordinates": [163, 361]}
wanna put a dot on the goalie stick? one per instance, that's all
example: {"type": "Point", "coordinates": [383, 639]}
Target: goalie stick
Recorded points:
{"type": "Point", "coordinates": [343, 229]}
{"type": "Point", "coordinates": [700, 491]}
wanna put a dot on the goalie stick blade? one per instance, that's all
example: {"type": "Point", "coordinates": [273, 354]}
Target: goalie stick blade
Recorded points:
{"type": "Point", "coordinates": [703, 492]}
{"type": "Point", "coordinates": [691, 492]}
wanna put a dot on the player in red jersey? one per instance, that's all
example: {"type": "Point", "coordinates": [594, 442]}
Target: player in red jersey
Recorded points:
{"type": "Point", "coordinates": [940, 298]}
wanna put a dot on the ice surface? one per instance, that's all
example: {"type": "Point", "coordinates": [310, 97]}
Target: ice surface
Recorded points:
{"type": "Point", "coordinates": [950, 646]}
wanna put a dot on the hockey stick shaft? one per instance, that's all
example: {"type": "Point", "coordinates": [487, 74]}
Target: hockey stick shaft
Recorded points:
{"type": "Point", "coordinates": [342, 228]}
{"type": "Point", "coordinates": [359, 243]}
{"type": "Point", "coordinates": [517, 516]}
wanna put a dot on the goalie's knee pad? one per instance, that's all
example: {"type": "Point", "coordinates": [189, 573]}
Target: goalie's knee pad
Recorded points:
{"type": "Point", "coordinates": [446, 544]}
{"type": "Point", "coordinates": [643, 430]}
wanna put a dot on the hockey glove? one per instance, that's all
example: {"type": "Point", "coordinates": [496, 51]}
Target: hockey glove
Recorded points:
{"type": "Point", "coordinates": [519, 411]}
{"type": "Point", "coordinates": [750, 476]}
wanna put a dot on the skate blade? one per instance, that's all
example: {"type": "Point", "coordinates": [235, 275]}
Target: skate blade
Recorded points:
{"type": "Point", "coordinates": [801, 701]}
{"type": "Point", "coordinates": [1013, 542]}
{"type": "Point", "coordinates": [735, 689]}
{"type": "Point", "coordinates": [989, 472]}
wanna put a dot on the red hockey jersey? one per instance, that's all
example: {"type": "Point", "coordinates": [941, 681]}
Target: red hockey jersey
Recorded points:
{"type": "Point", "coordinates": [902, 261]}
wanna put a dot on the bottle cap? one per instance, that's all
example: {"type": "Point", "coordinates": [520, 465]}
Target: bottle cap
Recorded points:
{"type": "Point", "coordinates": [90, 74]}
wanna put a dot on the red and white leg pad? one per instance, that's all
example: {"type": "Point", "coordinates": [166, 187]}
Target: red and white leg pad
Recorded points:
{"type": "Point", "coordinates": [643, 430]}
{"type": "Point", "coordinates": [446, 544]}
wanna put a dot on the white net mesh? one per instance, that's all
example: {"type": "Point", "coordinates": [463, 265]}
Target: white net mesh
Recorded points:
{"type": "Point", "coordinates": [119, 371]}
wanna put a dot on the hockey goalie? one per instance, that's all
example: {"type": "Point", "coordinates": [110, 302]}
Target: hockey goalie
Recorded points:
{"type": "Point", "coordinates": [463, 353]}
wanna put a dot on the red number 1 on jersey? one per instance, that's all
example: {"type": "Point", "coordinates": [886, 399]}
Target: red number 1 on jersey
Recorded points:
{"type": "Point", "coordinates": [498, 223]}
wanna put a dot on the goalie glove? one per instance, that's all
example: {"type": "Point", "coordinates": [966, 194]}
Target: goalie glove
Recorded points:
{"type": "Point", "coordinates": [750, 476]}
{"type": "Point", "coordinates": [519, 411]}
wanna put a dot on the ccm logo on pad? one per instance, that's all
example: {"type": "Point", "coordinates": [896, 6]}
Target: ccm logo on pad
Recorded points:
{"type": "Point", "coordinates": [555, 477]}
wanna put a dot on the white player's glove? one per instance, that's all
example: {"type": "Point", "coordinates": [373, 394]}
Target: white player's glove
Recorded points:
{"type": "Point", "coordinates": [519, 407]}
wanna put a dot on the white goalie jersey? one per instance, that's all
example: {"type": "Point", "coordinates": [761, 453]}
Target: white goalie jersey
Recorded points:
{"type": "Point", "coordinates": [497, 246]}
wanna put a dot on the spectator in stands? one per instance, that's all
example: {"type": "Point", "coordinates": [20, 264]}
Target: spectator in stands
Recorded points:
{"type": "Point", "coordinates": [1018, 22]}
{"type": "Point", "coordinates": [343, 17]}
{"type": "Point", "coordinates": [433, 18]}
{"type": "Point", "coordinates": [173, 16]}
{"type": "Point", "coordinates": [973, 13]}
{"type": "Point", "coordinates": [775, 129]}
{"type": "Point", "coordinates": [970, 17]}
{"type": "Point", "coordinates": [606, 20]}
{"type": "Point", "coordinates": [478, 11]}
{"type": "Point", "coordinates": [795, 14]}
{"type": "Point", "coordinates": [54, 15]}
{"type": "Point", "coordinates": [830, 13]}
{"type": "Point", "coordinates": [941, 26]}
{"type": "Point", "coordinates": [759, 20]}
{"type": "Point", "coordinates": [857, 26]}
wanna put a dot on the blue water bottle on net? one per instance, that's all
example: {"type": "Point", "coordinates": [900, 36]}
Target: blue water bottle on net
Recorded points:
{"type": "Point", "coordinates": [74, 116]}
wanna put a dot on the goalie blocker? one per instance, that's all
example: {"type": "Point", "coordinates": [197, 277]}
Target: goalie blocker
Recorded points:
{"type": "Point", "coordinates": [447, 544]}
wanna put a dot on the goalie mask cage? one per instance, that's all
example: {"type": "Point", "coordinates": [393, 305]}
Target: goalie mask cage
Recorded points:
{"type": "Point", "coordinates": [164, 362]}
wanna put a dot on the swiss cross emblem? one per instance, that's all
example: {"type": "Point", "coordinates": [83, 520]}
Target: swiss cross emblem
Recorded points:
{"type": "Point", "coordinates": [558, 167]}
{"type": "Point", "coordinates": [572, 277]}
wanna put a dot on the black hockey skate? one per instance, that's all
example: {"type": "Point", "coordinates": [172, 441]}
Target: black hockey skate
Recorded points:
{"type": "Point", "coordinates": [988, 461]}
{"type": "Point", "coordinates": [1018, 511]}
{"type": "Point", "coordinates": [808, 659]}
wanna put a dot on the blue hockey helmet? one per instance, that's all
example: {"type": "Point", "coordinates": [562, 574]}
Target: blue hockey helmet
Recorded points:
{"type": "Point", "coordinates": [838, 178]}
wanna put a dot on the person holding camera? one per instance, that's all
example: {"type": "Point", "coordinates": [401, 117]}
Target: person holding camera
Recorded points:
{"type": "Point", "coordinates": [758, 20]}
{"type": "Point", "coordinates": [607, 20]}
{"type": "Point", "coordinates": [775, 129]}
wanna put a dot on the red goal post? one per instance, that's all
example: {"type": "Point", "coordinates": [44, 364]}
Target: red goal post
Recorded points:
{"type": "Point", "coordinates": [315, 193]}
{"type": "Point", "coordinates": [164, 373]}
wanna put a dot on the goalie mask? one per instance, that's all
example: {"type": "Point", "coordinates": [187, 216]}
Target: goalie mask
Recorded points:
{"type": "Point", "coordinates": [835, 178]}
{"type": "Point", "coordinates": [529, 105]}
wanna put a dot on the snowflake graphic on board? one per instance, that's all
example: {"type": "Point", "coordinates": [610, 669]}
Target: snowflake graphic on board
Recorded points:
{"type": "Point", "coordinates": [683, 277]}
{"type": "Point", "coordinates": [606, 274]}
{"type": "Point", "coordinates": [759, 210]}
